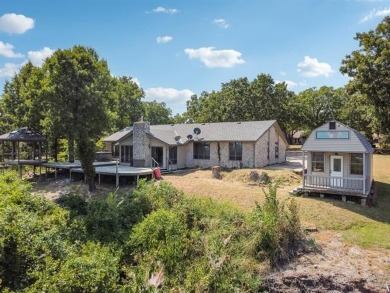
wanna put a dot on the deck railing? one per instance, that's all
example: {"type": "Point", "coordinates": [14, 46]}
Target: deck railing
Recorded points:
{"type": "Point", "coordinates": [334, 183]}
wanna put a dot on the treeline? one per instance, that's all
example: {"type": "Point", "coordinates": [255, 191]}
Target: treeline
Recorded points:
{"type": "Point", "coordinates": [153, 237]}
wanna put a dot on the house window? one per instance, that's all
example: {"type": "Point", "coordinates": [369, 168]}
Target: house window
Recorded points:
{"type": "Point", "coordinates": [202, 150]}
{"type": "Point", "coordinates": [317, 162]}
{"type": "Point", "coordinates": [173, 155]}
{"type": "Point", "coordinates": [235, 151]}
{"type": "Point", "coordinates": [332, 125]}
{"type": "Point", "coordinates": [357, 164]}
{"type": "Point", "coordinates": [276, 150]}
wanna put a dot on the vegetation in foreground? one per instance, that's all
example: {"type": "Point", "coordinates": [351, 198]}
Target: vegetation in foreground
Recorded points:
{"type": "Point", "coordinates": [365, 226]}
{"type": "Point", "coordinates": [153, 237]}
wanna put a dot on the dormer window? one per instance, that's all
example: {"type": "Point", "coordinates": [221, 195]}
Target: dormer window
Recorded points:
{"type": "Point", "coordinates": [332, 125]}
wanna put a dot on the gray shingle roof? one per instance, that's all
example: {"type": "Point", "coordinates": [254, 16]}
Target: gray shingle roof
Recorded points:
{"type": "Point", "coordinates": [173, 134]}
{"type": "Point", "coordinates": [118, 135]}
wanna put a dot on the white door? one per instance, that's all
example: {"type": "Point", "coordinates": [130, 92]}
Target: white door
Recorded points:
{"type": "Point", "coordinates": [336, 170]}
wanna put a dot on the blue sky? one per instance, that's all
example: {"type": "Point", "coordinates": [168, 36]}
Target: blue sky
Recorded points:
{"type": "Point", "coordinates": [174, 49]}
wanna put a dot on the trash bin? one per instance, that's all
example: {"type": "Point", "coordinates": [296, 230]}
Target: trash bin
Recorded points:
{"type": "Point", "coordinates": [157, 173]}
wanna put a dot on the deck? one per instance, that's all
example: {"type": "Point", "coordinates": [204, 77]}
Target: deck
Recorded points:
{"type": "Point", "coordinates": [336, 185]}
{"type": "Point", "coordinates": [69, 166]}
{"type": "Point", "coordinates": [117, 171]}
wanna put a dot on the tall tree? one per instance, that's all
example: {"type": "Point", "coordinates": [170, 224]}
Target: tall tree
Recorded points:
{"type": "Point", "coordinates": [157, 113]}
{"type": "Point", "coordinates": [369, 68]}
{"type": "Point", "coordinates": [127, 102]}
{"type": "Point", "coordinates": [320, 105]}
{"type": "Point", "coordinates": [22, 101]}
{"type": "Point", "coordinates": [78, 87]}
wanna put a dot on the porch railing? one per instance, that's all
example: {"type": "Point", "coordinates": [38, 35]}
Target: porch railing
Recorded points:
{"type": "Point", "coordinates": [154, 163]}
{"type": "Point", "coordinates": [334, 183]}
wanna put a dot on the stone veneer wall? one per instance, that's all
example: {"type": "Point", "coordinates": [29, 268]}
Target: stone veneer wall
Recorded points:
{"type": "Point", "coordinates": [223, 158]}
{"type": "Point", "coordinates": [261, 152]}
{"type": "Point", "coordinates": [140, 143]}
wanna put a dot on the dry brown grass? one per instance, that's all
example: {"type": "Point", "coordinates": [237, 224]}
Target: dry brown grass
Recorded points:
{"type": "Point", "coordinates": [236, 189]}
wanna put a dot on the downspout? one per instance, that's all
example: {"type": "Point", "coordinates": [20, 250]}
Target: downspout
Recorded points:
{"type": "Point", "coordinates": [219, 153]}
{"type": "Point", "coordinates": [364, 173]}
{"type": "Point", "coordinates": [269, 146]}
{"type": "Point", "coordinates": [254, 155]}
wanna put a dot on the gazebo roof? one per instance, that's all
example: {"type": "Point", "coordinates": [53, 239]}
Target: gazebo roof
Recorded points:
{"type": "Point", "coordinates": [22, 134]}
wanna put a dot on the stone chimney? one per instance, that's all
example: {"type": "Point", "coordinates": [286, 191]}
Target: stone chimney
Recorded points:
{"type": "Point", "coordinates": [140, 142]}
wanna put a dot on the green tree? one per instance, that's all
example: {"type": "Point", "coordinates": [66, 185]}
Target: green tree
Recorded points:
{"type": "Point", "coordinates": [78, 86]}
{"type": "Point", "coordinates": [320, 105]}
{"type": "Point", "coordinates": [157, 113]}
{"type": "Point", "coordinates": [128, 106]}
{"type": "Point", "coordinates": [22, 101]}
{"type": "Point", "coordinates": [369, 68]}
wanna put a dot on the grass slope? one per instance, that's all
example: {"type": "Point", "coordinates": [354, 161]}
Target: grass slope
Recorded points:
{"type": "Point", "coordinates": [365, 226]}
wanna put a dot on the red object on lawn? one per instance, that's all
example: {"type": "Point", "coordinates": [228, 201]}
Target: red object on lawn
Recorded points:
{"type": "Point", "coordinates": [157, 173]}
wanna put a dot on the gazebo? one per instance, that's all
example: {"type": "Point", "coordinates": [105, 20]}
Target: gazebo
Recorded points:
{"type": "Point", "coordinates": [22, 147]}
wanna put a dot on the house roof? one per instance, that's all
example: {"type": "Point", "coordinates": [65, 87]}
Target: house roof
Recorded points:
{"type": "Point", "coordinates": [356, 141]}
{"type": "Point", "coordinates": [119, 135]}
{"type": "Point", "coordinates": [174, 134]}
{"type": "Point", "coordinates": [22, 134]}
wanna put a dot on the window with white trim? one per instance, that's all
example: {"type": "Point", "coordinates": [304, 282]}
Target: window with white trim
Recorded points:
{"type": "Point", "coordinates": [317, 162]}
{"type": "Point", "coordinates": [357, 164]}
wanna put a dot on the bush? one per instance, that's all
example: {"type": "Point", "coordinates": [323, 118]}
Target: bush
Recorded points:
{"type": "Point", "coordinates": [161, 235]}
{"type": "Point", "coordinates": [276, 229]}
{"type": "Point", "coordinates": [31, 229]}
{"type": "Point", "coordinates": [89, 268]}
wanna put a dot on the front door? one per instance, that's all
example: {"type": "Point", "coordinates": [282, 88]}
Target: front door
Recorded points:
{"type": "Point", "coordinates": [158, 155]}
{"type": "Point", "coordinates": [336, 170]}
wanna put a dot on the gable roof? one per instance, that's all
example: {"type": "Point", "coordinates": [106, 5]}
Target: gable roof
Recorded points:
{"type": "Point", "coordinates": [356, 142]}
{"type": "Point", "coordinates": [119, 135]}
{"type": "Point", "coordinates": [174, 134]}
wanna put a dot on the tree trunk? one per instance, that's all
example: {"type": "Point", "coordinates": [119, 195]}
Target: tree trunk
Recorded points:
{"type": "Point", "coordinates": [55, 148]}
{"type": "Point", "coordinates": [71, 148]}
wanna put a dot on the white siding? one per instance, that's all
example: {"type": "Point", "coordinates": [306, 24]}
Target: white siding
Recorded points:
{"type": "Point", "coordinates": [353, 144]}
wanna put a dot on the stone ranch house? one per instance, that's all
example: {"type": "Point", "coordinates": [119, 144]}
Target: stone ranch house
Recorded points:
{"type": "Point", "coordinates": [176, 146]}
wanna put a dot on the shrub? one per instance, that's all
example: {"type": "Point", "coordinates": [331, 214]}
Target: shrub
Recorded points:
{"type": "Point", "coordinates": [162, 235]}
{"type": "Point", "coordinates": [158, 194]}
{"type": "Point", "coordinates": [31, 229]}
{"type": "Point", "coordinates": [91, 267]}
{"type": "Point", "coordinates": [276, 229]}
{"type": "Point", "coordinates": [75, 203]}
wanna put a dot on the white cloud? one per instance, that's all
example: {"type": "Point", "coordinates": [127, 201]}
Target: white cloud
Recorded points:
{"type": "Point", "coordinates": [165, 10]}
{"type": "Point", "coordinates": [136, 81]}
{"type": "Point", "coordinates": [310, 67]}
{"type": "Point", "coordinates": [376, 13]}
{"type": "Point", "coordinates": [164, 39]}
{"type": "Point", "coordinates": [292, 84]}
{"type": "Point", "coordinates": [15, 23]}
{"type": "Point", "coordinates": [283, 73]}
{"type": "Point", "coordinates": [37, 57]}
{"type": "Point", "coordinates": [215, 58]}
{"type": "Point", "coordinates": [9, 69]}
{"type": "Point", "coordinates": [168, 95]}
{"type": "Point", "coordinates": [7, 51]}
{"type": "Point", "coordinates": [221, 22]}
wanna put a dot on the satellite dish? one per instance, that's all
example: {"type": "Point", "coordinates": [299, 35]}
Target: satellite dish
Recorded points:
{"type": "Point", "coordinates": [189, 136]}
{"type": "Point", "coordinates": [177, 137]}
{"type": "Point", "coordinates": [197, 130]}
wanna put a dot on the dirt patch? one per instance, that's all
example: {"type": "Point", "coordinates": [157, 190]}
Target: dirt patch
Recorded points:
{"type": "Point", "coordinates": [335, 267]}
{"type": "Point", "coordinates": [53, 189]}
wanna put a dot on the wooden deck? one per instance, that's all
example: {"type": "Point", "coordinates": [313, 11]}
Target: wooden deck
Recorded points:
{"type": "Point", "coordinates": [118, 171]}
{"type": "Point", "coordinates": [336, 185]}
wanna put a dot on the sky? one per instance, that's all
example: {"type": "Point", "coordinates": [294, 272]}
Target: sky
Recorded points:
{"type": "Point", "coordinates": [174, 49]}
